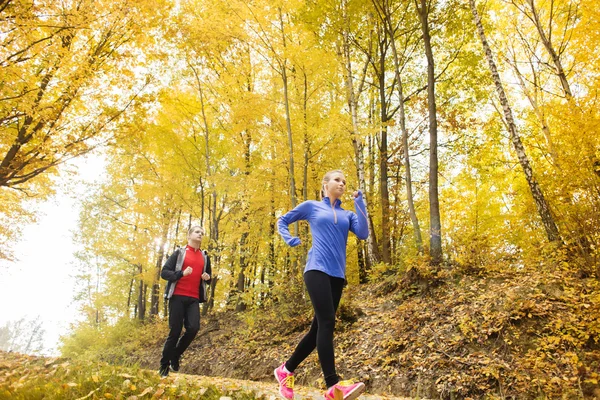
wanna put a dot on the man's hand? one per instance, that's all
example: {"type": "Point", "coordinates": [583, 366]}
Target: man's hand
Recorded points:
{"type": "Point", "coordinates": [187, 271]}
{"type": "Point", "coordinates": [205, 276]}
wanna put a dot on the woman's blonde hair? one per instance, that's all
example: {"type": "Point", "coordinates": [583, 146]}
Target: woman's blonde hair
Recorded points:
{"type": "Point", "coordinates": [326, 179]}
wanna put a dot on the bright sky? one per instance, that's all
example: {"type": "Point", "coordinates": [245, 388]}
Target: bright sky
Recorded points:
{"type": "Point", "coordinates": [40, 283]}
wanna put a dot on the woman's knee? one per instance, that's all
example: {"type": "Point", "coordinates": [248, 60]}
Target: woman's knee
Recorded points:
{"type": "Point", "coordinates": [327, 323]}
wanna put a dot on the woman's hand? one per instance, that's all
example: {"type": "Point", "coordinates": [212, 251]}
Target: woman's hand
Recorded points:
{"type": "Point", "coordinates": [205, 276]}
{"type": "Point", "coordinates": [357, 194]}
{"type": "Point", "coordinates": [294, 242]}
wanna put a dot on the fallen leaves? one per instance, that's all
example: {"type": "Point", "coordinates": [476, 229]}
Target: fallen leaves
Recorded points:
{"type": "Point", "coordinates": [23, 376]}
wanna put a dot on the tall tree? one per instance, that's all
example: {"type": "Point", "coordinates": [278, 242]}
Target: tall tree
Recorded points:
{"type": "Point", "coordinates": [66, 85]}
{"type": "Point", "coordinates": [538, 196]}
{"type": "Point", "coordinates": [353, 94]}
{"type": "Point", "coordinates": [435, 224]}
{"type": "Point", "coordinates": [50, 58]}
{"type": "Point", "coordinates": [546, 28]}
{"type": "Point", "coordinates": [385, 14]}
{"type": "Point", "coordinates": [380, 66]}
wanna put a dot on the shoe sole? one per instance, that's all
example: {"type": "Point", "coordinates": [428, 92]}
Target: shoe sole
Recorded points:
{"type": "Point", "coordinates": [277, 379]}
{"type": "Point", "coordinates": [356, 392]}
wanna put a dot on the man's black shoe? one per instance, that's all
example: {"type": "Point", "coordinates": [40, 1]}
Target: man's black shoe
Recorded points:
{"type": "Point", "coordinates": [163, 371]}
{"type": "Point", "coordinates": [175, 364]}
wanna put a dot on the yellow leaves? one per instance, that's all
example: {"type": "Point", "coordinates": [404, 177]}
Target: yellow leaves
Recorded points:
{"type": "Point", "coordinates": [48, 363]}
{"type": "Point", "coordinates": [558, 380]}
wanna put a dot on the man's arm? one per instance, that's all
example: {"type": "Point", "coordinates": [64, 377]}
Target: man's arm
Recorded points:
{"type": "Point", "coordinates": [208, 268]}
{"type": "Point", "coordinates": [168, 270]}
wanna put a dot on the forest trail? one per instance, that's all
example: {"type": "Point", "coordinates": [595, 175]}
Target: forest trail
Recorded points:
{"type": "Point", "coordinates": [263, 390]}
{"type": "Point", "coordinates": [25, 377]}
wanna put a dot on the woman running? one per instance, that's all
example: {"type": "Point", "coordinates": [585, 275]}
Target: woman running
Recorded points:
{"type": "Point", "coordinates": [324, 276]}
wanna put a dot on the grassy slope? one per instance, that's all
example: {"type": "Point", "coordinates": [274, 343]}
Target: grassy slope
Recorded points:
{"type": "Point", "coordinates": [31, 378]}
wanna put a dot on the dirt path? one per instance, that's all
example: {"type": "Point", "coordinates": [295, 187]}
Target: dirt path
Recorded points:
{"type": "Point", "coordinates": [268, 391]}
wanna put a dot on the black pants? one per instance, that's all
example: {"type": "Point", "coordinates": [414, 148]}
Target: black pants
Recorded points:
{"type": "Point", "coordinates": [325, 293]}
{"type": "Point", "coordinates": [183, 311]}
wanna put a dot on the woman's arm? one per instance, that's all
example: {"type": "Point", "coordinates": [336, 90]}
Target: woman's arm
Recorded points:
{"type": "Point", "coordinates": [301, 212]}
{"type": "Point", "coordinates": [358, 221]}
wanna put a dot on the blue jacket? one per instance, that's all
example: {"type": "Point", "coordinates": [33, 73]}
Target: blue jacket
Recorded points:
{"type": "Point", "coordinates": [329, 227]}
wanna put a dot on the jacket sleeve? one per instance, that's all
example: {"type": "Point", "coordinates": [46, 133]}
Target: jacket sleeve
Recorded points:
{"type": "Point", "coordinates": [208, 269]}
{"type": "Point", "coordinates": [168, 270]}
{"type": "Point", "coordinates": [358, 221]}
{"type": "Point", "coordinates": [301, 212]}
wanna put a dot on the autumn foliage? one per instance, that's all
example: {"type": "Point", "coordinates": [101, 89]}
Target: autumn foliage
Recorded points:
{"type": "Point", "coordinates": [470, 127]}
{"type": "Point", "coordinates": [28, 377]}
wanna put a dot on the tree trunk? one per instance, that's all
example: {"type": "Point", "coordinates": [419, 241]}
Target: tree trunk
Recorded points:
{"type": "Point", "coordinates": [387, 17]}
{"type": "Point", "coordinates": [241, 306]}
{"type": "Point", "coordinates": [352, 97]}
{"type": "Point", "coordinates": [435, 225]}
{"type": "Point", "coordinates": [130, 292]}
{"type": "Point", "coordinates": [547, 42]}
{"type": "Point", "coordinates": [272, 234]}
{"type": "Point", "coordinates": [288, 123]}
{"type": "Point", "coordinates": [141, 303]}
{"type": "Point", "coordinates": [208, 306]}
{"type": "Point", "coordinates": [213, 217]}
{"type": "Point", "coordinates": [539, 112]}
{"type": "Point", "coordinates": [372, 242]}
{"type": "Point", "coordinates": [384, 194]}
{"type": "Point", "coordinates": [540, 202]}
{"type": "Point", "coordinates": [155, 299]}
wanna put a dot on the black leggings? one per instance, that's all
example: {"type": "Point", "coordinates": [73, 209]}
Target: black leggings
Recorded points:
{"type": "Point", "coordinates": [325, 293]}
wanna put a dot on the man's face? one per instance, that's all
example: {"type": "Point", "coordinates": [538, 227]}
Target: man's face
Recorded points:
{"type": "Point", "coordinates": [196, 235]}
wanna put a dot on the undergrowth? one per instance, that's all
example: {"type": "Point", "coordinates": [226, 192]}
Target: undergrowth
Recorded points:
{"type": "Point", "coordinates": [452, 332]}
{"type": "Point", "coordinates": [30, 378]}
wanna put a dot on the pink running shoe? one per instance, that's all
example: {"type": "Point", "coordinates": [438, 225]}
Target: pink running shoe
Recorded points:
{"type": "Point", "coordinates": [345, 390]}
{"type": "Point", "coordinates": [286, 382]}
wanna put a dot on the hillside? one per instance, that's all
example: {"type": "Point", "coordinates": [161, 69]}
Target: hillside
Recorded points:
{"type": "Point", "coordinates": [29, 377]}
{"type": "Point", "coordinates": [499, 335]}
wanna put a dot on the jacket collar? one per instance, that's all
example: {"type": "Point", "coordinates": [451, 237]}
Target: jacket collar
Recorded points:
{"type": "Point", "coordinates": [187, 246]}
{"type": "Point", "coordinates": [327, 201]}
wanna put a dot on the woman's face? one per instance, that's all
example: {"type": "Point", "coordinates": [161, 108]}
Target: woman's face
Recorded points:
{"type": "Point", "coordinates": [336, 186]}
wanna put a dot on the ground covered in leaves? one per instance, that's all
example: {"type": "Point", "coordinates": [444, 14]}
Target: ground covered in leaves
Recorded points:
{"type": "Point", "coordinates": [28, 377]}
{"type": "Point", "coordinates": [498, 335]}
